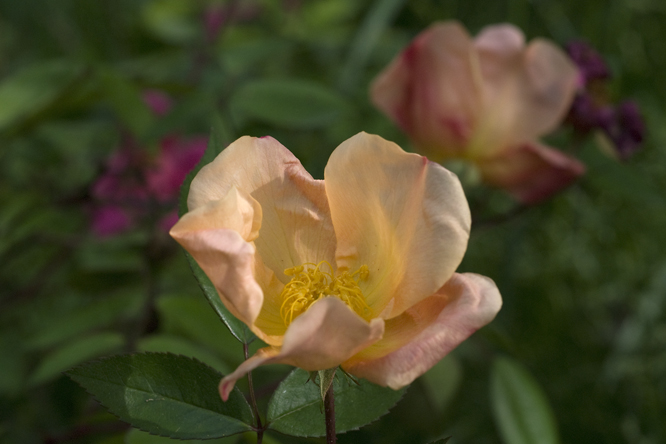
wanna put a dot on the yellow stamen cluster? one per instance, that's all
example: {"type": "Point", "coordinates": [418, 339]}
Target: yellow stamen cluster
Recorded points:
{"type": "Point", "coordinates": [309, 283]}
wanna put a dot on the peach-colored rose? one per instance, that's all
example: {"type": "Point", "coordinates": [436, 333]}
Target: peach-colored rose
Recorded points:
{"type": "Point", "coordinates": [486, 100]}
{"type": "Point", "coordinates": [356, 270]}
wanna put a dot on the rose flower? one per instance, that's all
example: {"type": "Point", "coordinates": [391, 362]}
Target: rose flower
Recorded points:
{"type": "Point", "coordinates": [356, 270]}
{"type": "Point", "coordinates": [486, 100]}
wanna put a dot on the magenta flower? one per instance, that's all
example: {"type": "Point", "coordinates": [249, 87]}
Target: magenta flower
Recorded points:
{"type": "Point", "coordinates": [136, 185]}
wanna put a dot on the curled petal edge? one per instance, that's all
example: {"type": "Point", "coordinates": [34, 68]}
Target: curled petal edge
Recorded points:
{"type": "Point", "coordinates": [531, 172]}
{"type": "Point", "coordinates": [466, 303]}
{"type": "Point", "coordinates": [323, 337]}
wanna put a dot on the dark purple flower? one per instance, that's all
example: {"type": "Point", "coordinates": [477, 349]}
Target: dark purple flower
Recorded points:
{"type": "Point", "coordinates": [590, 63]}
{"type": "Point", "coordinates": [627, 129]}
{"type": "Point", "coordinates": [586, 115]}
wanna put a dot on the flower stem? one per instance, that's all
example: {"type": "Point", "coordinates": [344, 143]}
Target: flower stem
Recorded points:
{"type": "Point", "coordinates": [329, 412]}
{"type": "Point", "coordinates": [253, 400]}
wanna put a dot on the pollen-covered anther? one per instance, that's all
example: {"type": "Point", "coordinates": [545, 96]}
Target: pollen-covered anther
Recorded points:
{"type": "Point", "coordinates": [310, 282]}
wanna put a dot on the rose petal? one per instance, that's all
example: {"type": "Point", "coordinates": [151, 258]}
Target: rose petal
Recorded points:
{"type": "Point", "coordinates": [501, 39]}
{"type": "Point", "coordinates": [321, 338]}
{"type": "Point", "coordinates": [432, 90]}
{"type": "Point", "coordinates": [404, 217]}
{"type": "Point", "coordinates": [228, 260]}
{"type": "Point", "coordinates": [424, 334]}
{"type": "Point", "coordinates": [296, 226]}
{"type": "Point", "coordinates": [526, 93]}
{"type": "Point", "coordinates": [236, 211]}
{"type": "Point", "coordinates": [531, 172]}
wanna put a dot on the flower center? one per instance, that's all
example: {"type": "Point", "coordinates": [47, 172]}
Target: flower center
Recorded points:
{"type": "Point", "coordinates": [309, 283]}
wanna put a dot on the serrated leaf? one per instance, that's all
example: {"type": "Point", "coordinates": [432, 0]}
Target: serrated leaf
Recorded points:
{"type": "Point", "coordinates": [181, 346]}
{"type": "Point", "coordinates": [165, 394]}
{"type": "Point", "coordinates": [74, 353]}
{"type": "Point", "coordinates": [295, 408]}
{"type": "Point", "coordinates": [136, 436]}
{"type": "Point", "coordinates": [520, 407]}
{"type": "Point", "coordinates": [287, 103]}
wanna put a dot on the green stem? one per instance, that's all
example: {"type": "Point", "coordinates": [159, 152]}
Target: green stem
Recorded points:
{"type": "Point", "coordinates": [329, 412]}
{"type": "Point", "coordinates": [253, 400]}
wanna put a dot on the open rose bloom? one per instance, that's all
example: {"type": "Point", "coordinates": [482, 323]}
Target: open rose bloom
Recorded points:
{"type": "Point", "coordinates": [486, 100]}
{"type": "Point", "coordinates": [356, 270]}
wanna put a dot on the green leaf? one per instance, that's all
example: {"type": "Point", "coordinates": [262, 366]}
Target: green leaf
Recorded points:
{"type": "Point", "coordinates": [376, 22]}
{"type": "Point", "coordinates": [441, 441]}
{"type": "Point", "coordinates": [180, 346]}
{"type": "Point", "coordinates": [295, 408]}
{"type": "Point", "coordinates": [136, 436]}
{"type": "Point", "coordinates": [172, 20]}
{"type": "Point", "coordinates": [520, 407]}
{"type": "Point", "coordinates": [165, 394]}
{"type": "Point", "coordinates": [442, 381]}
{"type": "Point", "coordinates": [34, 88]}
{"type": "Point", "coordinates": [237, 328]}
{"type": "Point", "coordinates": [220, 137]}
{"type": "Point", "coordinates": [287, 103]}
{"type": "Point", "coordinates": [216, 143]}
{"type": "Point", "coordinates": [326, 378]}
{"type": "Point", "coordinates": [74, 353]}
{"type": "Point", "coordinates": [192, 317]}
{"type": "Point", "coordinates": [611, 176]}
{"type": "Point", "coordinates": [97, 314]}
{"type": "Point", "coordinates": [125, 98]}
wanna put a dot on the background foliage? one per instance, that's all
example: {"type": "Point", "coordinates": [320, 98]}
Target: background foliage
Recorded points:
{"type": "Point", "coordinates": [578, 352]}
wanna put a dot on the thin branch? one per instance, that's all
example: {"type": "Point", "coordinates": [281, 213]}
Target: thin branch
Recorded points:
{"type": "Point", "coordinates": [329, 412]}
{"type": "Point", "coordinates": [253, 400]}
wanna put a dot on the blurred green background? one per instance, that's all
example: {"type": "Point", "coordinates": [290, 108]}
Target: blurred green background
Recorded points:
{"type": "Point", "coordinates": [582, 333]}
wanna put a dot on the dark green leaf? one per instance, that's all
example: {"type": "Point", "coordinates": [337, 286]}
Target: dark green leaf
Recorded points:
{"type": "Point", "coordinates": [74, 353]}
{"type": "Point", "coordinates": [216, 143]}
{"type": "Point", "coordinates": [165, 394]}
{"type": "Point", "coordinates": [136, 436]}
{"type": "Point", "coordinates": [179, 346]}
{"type": "Point", "coordinates": [611, 176]}
{"type": "Point", "coordinates": [192, 317]}
{"type": "Point", "coordinates": [125, 98]}
{"type": "Point", "coordinates": [238, 328]}
{"type": "Point", "coordinates": [97, 314]}
{"type": "Point", "coordinates": [295, 408]}
{"type": "Point", "coordinates": [441, 441]}
{"type": "Point", "coordinates": [288, 103]}
{"type": "Point", "coordinates": [220, 137]}
{"type": "Point", "coordinates": [521, 409]}
{"type": "Point", "coordinates": [32, 89]}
